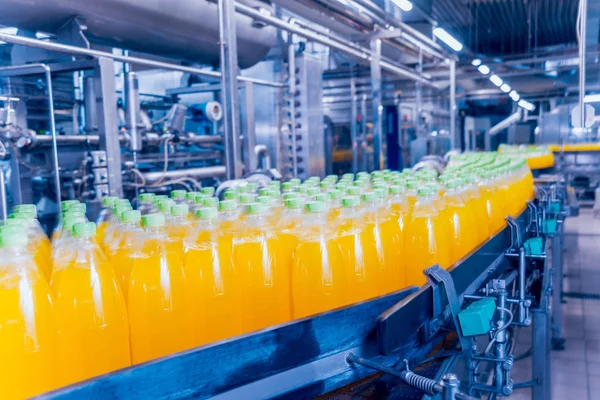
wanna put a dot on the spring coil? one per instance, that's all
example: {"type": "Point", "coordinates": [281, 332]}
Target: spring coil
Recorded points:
{"type": "Point", "coordinates": [420, 382]}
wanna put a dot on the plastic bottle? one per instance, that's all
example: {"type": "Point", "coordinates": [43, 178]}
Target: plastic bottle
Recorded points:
{"type": "Point", "coordinates": [159, 309]}
{"type": "Point", "coordinates": [360, 274]}
{"type": "Point", "coordinates": [208, 191]}
{"type": "Point", "coordinates": [423, 237]}
{"type": "Point", "coordinates": [381, 243]}
{"type": "Point", "coordinates": [146, 205]}
{"type": "Point", "coordinates": [111, 244]}
{"type": "Point", "coordinates": [27, 318]}
{"type": "Point", "coordinates": [318, 277]}
{"type": "Point", "coordinates": [495, 209]}
{"type": "Point", "coordinates": [39, 244]}
{"type": "Point", "coordinates": [288, 229]}
{"type": "Point", "coordinates": [104, 217]}
{"type": "Point", "coordinates": [335, 204]}
{"type": "Point", "coordinates": [178, 196]}
{"type": "Point", "coordinates": [260, 264]}
{"type": "Point", "coordinates": [64, 244]}
{"type": "Point", "coordinates": [64, 205]}
{"type": "Point", "coordinates": [178, 228]}
{"type": "Point", "coordinates": [93, 333]}
{"type": "Point", "coordinates": [214, 284]}
{"type": "Point", "coordinates": [130, 246]}
{"type": "Point", "coordinates": [464, 233]}
{"type": "Point", "coordinates": [399, 212]}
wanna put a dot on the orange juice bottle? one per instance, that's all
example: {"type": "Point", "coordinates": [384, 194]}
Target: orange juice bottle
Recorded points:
{"type": "Point", "coordinates": [335, 204]}
{"type": "Point", "coordinates": [63, 246]}
{"type": "Point", "coordinates": [178, 227]}
{"type": "Point", "coordinates": [93, 333]}
{"type": "Point", "coordinates": [382, 239]}
{"type": "Point", "coordinates": [111, 233]}
{"type": "Point", "coordinates": [463, 227]}
{"type": "Point", "coordinates": [423, 237]}
{"type": "Point", "coordinates": [216, 309]}
{"type": "Point", "coordinates": [318, 277]}
{"type": "Point", "coordinates": [64, 205]}
{"type": "Point", "coordinates": [129, 247]}
{"type": "Point", "coordinates": [445, 226]}
{"type": "Point", "coordinates": [157, 298]}
{"type": "Point", "coordinates": [104, 216]}
{"type": "Point", "coordinates": [38, 242]}
{"type": "Point", "coordinates": [495, 209]}
{"type": "Point", "coordinates": [411, 193]}
{"type": "Point", "coordinates": [27, 318]}
{"type": "Point", "coordinates": [477, 203]}
{"type": "Point", "coordinates": [399, 211]}
{"type": "Point", "coordinates": [260, 263]}
{"type": "Point", "coordinates": [288, 228]}
{"type": "Point", "coordinates": [361, 275]}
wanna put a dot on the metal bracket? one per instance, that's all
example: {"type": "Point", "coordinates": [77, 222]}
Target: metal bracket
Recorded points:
{"type": "Point", "coordinates": [515, 235]}
{"type": "Point", "coordinates": [533, 218]}
{"type": "Point", "coordinates": [72, 32]}
{"type": "Point", "coordinates": [438, 276]}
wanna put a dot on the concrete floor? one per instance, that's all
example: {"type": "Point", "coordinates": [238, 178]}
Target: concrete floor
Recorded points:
{"type": "Point", "coordinates": [575, 370]}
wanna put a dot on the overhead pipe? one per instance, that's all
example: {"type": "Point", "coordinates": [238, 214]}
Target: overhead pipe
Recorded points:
{"type": "Point", "coordinates": [505, 123]}
{"type": "Point", "coordinates": [351, 49]}
{"type": "Point", "coordinates": [264, 156]}
{"type": "Point", "coordinates": [197, 173]}
{"type": "Point", "coordinates": [80, 51]}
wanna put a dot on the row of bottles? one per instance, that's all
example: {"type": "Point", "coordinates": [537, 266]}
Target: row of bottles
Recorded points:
{"type": "Point", "coordinates": [189, 270]}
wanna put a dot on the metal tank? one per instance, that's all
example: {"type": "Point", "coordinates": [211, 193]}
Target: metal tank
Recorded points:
{"type": "Point", "coordinates": [180, 29]}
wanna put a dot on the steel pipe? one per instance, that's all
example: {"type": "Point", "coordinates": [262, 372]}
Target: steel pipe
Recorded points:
{"type": "Point", "coordinates": [3, 196]}
{"type": "Point", "coordinates": [351, 49]}
{"type": "Point", "coordinates": [264, 156]}
{"type": "Point", "coordinates": [505, 123]}
{"type": "Point", "coordinates": [197, 173]}
{"type": "Point", "coordinates": [48, 74]}
{"type": "Point", "coordinates": [44, 140]}
{"type": "Point", "coordinates": [79, 51]}
{"type": "Point", "coordinates": [582, 42]}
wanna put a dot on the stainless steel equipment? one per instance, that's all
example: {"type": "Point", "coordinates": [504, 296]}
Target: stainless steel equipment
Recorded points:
{"type": "Point", "coordinates": [183, 29]}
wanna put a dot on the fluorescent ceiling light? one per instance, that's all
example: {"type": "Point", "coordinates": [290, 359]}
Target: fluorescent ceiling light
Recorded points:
{"type": "Point", "coordinates": [592, 98]}
{"type": "Point", "coordinates": [484, 69]}
{"type": "Point", "coordinates": [505, 88]}
{"type": "Point", "coordinates": [514, 95]}
{"type": "Point", "coordinates": [496, 80]}
{"type": "Point", "coordinates": [476, 62]}
{"type": "Point", "coordinates": [526, 105]}
{"type": "Point", "coordinates": [404, 5]}
{"type": "Point", "coordinates": [448, 39]}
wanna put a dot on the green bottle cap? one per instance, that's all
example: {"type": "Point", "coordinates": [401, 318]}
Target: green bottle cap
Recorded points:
{"type": "Point", "coordinates": [313, 190]}
{"type": "Point", "coordinates": [122, 202]}
{"type": "Point", "coordinates": [84, 229]}
{"type": "Point", "coordinates": [199, 198]}
{"type": "Point", "coordinates": [179, 210]}
{"type": "Point", "coordinates": [164, 205]}
{"type": "Point", "coordinates": [341, 185]}
{"type": "Point", "coordinates": [256, 208]}
{"type": "Point", "coordinates": [30, 208]}
{"type": "Point", "coordinates": [153, 220]}
{"type": "Point", "coordinates": [146, 197]}
{"type": "Point", "coordinates": [294, 203]}
{"type": "Point", "coordinates": [291, 195]}
{"type": "Point", "coordinates": [78, 207]}
{"type": "Point", "coordinates": [412, 184]}
{"type": "Point", "coordinates": [28, 216]}
{"type": "Point", "coordinates": [178, 194]}
{"type": "Point", "coordinates": [315, 206]}
{"type": "Point", "coordinates": [397, 189]}
{"type": "Point", "coordinates": [131, 216]}
{"type": "Point", "coordinates": [370, 196]}
{"type": "Point", "coordinates": [295, 181]}
{"type": "Point", "coordinates": [227, 205]}
{"type": "Point", "coordinates": [303, 189]}
{"type": "Point", "coordinates": [160, 197]}
{"type": "Point", "coordinates": [381, 192]}
{"type": "Point", "coordinates": [17, 222]}
{"type": "Point", "coordinates": [74, 214]}
{"type": "Point", "coordinates": [250, 187]}
{"type": "Point", "coordinates": [353, 191]}
{"type": "Point", "coordinates": [348, 175]}
{"type": "Point", "coordinates": [209, 191]}
{"type": "Point", "coordinates": [334, 194]}
{"type": "Point", "coordinates": [425, 191]}
{"type": "Point", "coordinates": [287, 186]}
{"type": "Point", "coordinates": [68, 203]}
{"type": "Point", "coordinates": [350, 201]}
{"type": "Point", "coordinates": [247, 198]}
{"type": "Point", "coordinates": [322, 197]}
{"type": "Point", "coordinates": [231, 195]}
{"type": "Point", "coordinates": [191, 196]}
{"type": "Point", "coordinates": [266, 200]}
{"type": "Point", "coordinates": [275, 184]}
{"type": "Point", "coordinates": [13, 239]}
{"type": "Point", "coordinates": [212, 202]}
{"type": "Point", "coordinates": [206, 213]}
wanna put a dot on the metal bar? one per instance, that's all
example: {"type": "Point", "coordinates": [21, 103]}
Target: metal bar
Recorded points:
{"type": "Point", "coordinates": [79, 51]}
{"type": "Point", "coordinates": [354, 126]}
{"type": "Point", "coordinates": [229, 92]}
{"type": "Point", "coordinates": [376, 104]}
{"type": "Point", "coordinates": [248, 125]}
{"type": "Point", "coordinates": [452, 103]}
{"type": "Point", "coordinates": [3, 196]}
{"type": "Point", "coordinates": [418, 93]}
{"type": "Point", "coordinates": [108, 125]}
{"type": "Point", "coordinates": [557, 277]}
{"type": "Point", "coordinates": [363, 131]}
{"type": "Point", "coordinates": [522, 284]}
{"type": "Point", "coordinates": [43, 140]}
{"type": "Point", "coordinates": [540, 362]}
{"type": "Point", "coordinates": [345, 47]}
{"type": "Point", "coordinates": [292, 92]}
{"type": "Point", "coordinates": [582, 41]}
{"type": "Point", "coordinates": [131, 110]}
{"type": "Point", "coordinates": [198, 173]}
